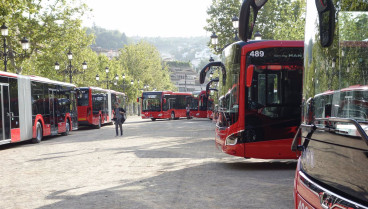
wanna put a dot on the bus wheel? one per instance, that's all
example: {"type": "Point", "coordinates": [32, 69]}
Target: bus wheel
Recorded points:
{"type": "Point", "coordinates": [153, 119]}
{"type": "Point", "coordinates": [172, 116]}
{"type": "Point", "coordinates": [67, 129]}
{"type": "Point", "coordinates": [39, 133]}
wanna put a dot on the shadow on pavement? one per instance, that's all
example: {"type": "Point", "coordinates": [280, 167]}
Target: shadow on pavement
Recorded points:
{"type": "Point", "coordinates": [209, 185]}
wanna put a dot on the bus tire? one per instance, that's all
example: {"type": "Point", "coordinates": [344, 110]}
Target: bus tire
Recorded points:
{"type": "Point", "coordinates": [39, 134]}
{"type": "Point", "coordinates": [153, 119]}
{"type": "Point", "coordinates": [172, 116]}
{"type": "Point", "coordinates": [67, 128]}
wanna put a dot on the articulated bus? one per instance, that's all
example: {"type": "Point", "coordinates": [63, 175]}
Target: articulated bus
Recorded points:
{"type": "Point", "coordinates": [259, 87]}
{"type": "Point", "coordinates": [95, 105]}
{"type": "Point", "coordinates": [164, 105]}
{"type": "Point", "coordinates": [33, 107]}
{"type": "Point", "coordinates": [332, 169]}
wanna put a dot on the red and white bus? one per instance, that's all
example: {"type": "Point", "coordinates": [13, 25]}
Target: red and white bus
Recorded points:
{"type": "Point", "coordinates": [260, 87]}
{"type": "Point", "coordinates": [33, 107]}
{"type": "Point", "coordinates": [95, 105]}
{"type": "Point", "coordinates": [332, 169]}
{"type": "Point", "coordinates": [163, 105]}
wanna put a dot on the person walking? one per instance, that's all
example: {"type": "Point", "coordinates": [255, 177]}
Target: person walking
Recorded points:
{"type": "Point", "coordinates": [119, 119]}
{"type": "Point", "coordinates": [188, 112]}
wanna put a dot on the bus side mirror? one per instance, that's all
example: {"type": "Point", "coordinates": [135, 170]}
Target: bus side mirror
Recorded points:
{"type": "Point", "coordinates": [326, 15]}
{"type": "Point", "coordinates": [202, 74]}
{"type": "Point", "coordinates": [165, 101]}
{"type": "Point", "coordinates": [138, 99]}
{"type": "Point", "coordinates": [249, 77]}
{"type": "Point", "coordinates": [247, 18]}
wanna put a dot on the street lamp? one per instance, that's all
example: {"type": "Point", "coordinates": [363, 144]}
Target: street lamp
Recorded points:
{"type": "Point", "coordinates": [69, 70]}
{"type": "Point", "coordinates": [257, 36]}
{"type": "Point", "coordinates": [235, 21]}
{"type": "Point", "coordinates": [211, 59]}
{"type": "Point", "coordinates": [214, 39]}
{"type": "Point", "coordinates": [11, 53]}
{"type": "Point", "coordinates": [115, 82]}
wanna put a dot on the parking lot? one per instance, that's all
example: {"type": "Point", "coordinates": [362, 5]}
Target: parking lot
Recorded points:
{"type": "Point", "coordinates": [161, 164]}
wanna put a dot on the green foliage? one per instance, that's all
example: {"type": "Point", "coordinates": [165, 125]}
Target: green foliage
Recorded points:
{"type": "Point", "coordinates": [108, 39]}
{"type": "Point", "coordinates": [220, 15]}
{"type": "Point", "coordinates": [178, 64]}
{"type": "Point", "coordinates": [142, 62]}
{"type": "Point", "coordinates": [54, 28]}
{"type": "Point", "coordinates": [278, 20]}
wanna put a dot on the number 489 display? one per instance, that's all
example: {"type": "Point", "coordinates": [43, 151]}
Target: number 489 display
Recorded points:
{"type": "Point", "coordinates": [257, 54]}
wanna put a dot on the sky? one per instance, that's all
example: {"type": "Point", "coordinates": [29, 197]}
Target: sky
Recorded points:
{"type": "Point", "coordinates": [150, 18]}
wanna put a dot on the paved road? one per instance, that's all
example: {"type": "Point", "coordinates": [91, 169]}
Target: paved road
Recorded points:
{"type": "Point", "coordinates": [161, 164]}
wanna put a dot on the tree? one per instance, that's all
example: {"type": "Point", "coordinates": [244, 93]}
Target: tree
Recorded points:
{"type": "Point", "coordinates": [52, 28]}
{"type": "Point", "coordinates": [220, 15]}
{"type": "Point", "coordinates": [142, 62]}
{"type": "Point", "coordinates": [279, 20]}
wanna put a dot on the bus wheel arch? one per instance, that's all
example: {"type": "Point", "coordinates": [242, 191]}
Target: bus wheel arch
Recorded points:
{"type": "Point", "coordinates": [99, 125]}
{"type": "Point", "coordinates": [67, 128]}
{"type": "Point", "coordinates": [39, 133]}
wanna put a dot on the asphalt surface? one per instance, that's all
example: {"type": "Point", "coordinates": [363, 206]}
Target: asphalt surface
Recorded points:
{"type": "Point", "coordinates": [161, 164]}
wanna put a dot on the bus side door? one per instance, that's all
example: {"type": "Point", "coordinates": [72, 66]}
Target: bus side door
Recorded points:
{"type": "Point", "coordinates": [53, 116]}
{"type": "Point", "coordinates": [5, 114]}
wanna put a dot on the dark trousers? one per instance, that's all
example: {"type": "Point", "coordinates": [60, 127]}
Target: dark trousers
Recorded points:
{"type": "Point", "coordinates": [117, 125]}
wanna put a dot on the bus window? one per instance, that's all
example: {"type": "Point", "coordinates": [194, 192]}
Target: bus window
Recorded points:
{"type": "Point", "coordinates": [83, 97]}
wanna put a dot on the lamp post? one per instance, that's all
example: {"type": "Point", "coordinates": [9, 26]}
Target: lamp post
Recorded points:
{"type": "Point", "coordinates": [107, 70]}
{"type": "Point", "coordinates": [211, 59]}
{"type": "Point", "coordinates": [257, 36]}
{"type": "Point", "coordinates": [69, 70]}
{"type": "Point", "coordinates": [9, 52]}
{"type": "Point", "coordinates": [235, 21]}
{"type": "Point", "coordinates": [214, 37]}
{"type": "Point", "coordinates": [123, 82]}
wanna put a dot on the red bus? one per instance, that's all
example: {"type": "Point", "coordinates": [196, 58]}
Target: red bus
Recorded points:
{"type": "Point", "coordinates": [210, 101]}
{"type": "Point", "coordinates": [163, 105]}
{"type": "Point", "coordinates": [332, 169]}
{"type": "Point", "coordinates": [95, 105]}
{"type": "Point", "coordinates": [199, 104]}
{"type": "Point", "coordinates": [33, 107]}
{"type": "Point", "coordinates": [260, 95]}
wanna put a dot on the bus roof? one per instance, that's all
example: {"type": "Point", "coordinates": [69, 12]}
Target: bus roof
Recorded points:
{"type": "Point", "coordinates": [2, 73]}
{"type": "Point", "coordinates": [117, 92]}
{"type": "Point", "coordinates": [94, 88]}
{"type": "Point", "coordinates": [47, 80]}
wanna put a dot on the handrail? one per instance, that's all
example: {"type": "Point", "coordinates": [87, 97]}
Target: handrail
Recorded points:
{"type": "Point", "coordinates": [312, 128]}
{"type": "Point", "coordinates": [347, 120]}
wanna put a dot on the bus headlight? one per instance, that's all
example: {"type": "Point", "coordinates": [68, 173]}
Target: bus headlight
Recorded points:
{"type": "Point", "coordinates": [234, 138]}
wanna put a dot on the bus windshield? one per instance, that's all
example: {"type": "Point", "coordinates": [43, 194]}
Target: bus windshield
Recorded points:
{"type": "Point", "coordinates": [83, 98]}
{"type": "Point", "coordinates": [151, 101]}
{"type": "Point", "coordinates": [276, 93]}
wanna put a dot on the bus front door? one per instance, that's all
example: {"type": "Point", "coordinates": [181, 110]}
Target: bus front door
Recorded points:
{"type": "Point", "coordinates": [53, 116]}
{"type": "Point", "coordinates": [5, 114]}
